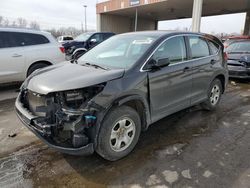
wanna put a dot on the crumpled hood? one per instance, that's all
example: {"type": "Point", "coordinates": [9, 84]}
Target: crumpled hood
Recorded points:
{"type": "Point", "coordinates": [235, 59]}
{"type": "Point", "coordinates": [67, 76]}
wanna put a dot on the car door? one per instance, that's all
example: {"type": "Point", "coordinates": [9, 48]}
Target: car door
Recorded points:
{"type": "Point", "coordinates": [170, 87]}
{"type": "Point", "coordinates": [202, 67]}
{"type": "Point", "coordinates": [12, 60]}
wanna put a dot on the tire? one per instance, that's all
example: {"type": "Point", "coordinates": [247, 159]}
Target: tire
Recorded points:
{"type": "Point", "coordinates": [77, 55]}
{"type": "Point", "coordinates": [35, 67]}
{"type": "Point", "coordinates": [214, 95]}
{"type": "Point", "coordinates": [124, 122]}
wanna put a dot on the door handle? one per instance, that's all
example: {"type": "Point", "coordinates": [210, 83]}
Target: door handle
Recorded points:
{"type": "Point", "coordinates": [186, 69]}
{"type": "Point", "coordinates": [16, 55]}
{"type": "Point", "coordinates": [212, 62]}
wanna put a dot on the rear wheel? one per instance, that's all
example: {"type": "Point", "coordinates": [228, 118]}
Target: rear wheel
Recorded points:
{"type": "Point", "coordinates": [214, 95]}
{"type": "Point", "coordinates": [35, 67]}
{"type": "Point", "coordinates": [119, 133]}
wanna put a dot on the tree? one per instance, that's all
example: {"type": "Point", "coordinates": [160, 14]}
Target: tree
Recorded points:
{"type": "Point", "coordinates": [6, 22]}
{"type": "Point", "coordinates": [21, 22]}
{"type": "Point", "coordinates": [34, 25]}
{"type": "Point", "coordinates": [1, 20]}
{"type": "Point", "coordinates": [14, 24]}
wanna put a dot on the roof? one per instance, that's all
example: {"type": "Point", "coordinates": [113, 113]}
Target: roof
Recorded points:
{"type": "Point", "coordinates": [23, 30]}
{"type": "Point", "coordinates": [163, 33]}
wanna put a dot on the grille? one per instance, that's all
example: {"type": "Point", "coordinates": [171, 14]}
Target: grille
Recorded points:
{"type": "Point", "coordinates": [35, 100]}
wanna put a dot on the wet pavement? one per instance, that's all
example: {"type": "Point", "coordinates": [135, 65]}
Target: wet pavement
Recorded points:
{"type": "Point", "coordinates": [192, 148]}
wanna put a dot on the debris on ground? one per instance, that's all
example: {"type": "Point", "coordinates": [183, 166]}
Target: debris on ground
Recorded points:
{"type": "Point", "coordinates": [172, 150]}
{"type": "Point", "coordinates": [12, 135]}
{"type": "Point", "coordinates": [233, 83]}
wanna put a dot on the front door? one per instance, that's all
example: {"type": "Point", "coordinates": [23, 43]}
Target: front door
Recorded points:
{"type": "Point", "coordinates": [170, 87]}
{"type": "Point", "coordinates": [12, 57]}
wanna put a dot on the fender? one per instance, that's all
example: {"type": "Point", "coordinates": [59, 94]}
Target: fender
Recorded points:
{"type": "Point", "coordinates": [118, 102]}
{"type": "Point", "coordinates": [79, 49]}
{"type": "Point", "coordinates": [144, 102]}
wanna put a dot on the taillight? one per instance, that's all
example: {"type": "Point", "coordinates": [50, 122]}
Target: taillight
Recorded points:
{"type": "Point", "coordinates": [62, 49]}
{"type": "Point", "coordinates": [225, 56]}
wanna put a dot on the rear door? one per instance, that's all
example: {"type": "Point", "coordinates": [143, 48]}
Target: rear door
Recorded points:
{"type": "Point", "coordinates": [203, 59]}
{"type": "Point", "coordinates": [12, 59]}
{"type": "Point", "coordinates": [170, 87]}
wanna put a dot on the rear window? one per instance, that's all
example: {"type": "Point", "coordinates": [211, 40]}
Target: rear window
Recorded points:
{"type": "Point", "coordinates": [17, 39]}
{"type": "Point", "coordinates": [235, 47]}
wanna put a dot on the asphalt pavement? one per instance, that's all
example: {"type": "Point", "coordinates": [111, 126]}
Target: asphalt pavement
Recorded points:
{"type": "Point", "coordinates": [192, 148]}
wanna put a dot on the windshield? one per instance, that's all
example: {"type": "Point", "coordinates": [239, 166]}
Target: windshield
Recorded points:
{"type": "Point", "coordinates": [121, 51]}
{"type": "Point", "coordinates": [239, 47]}
{"type": "Point", "coordinates": [83, 37]}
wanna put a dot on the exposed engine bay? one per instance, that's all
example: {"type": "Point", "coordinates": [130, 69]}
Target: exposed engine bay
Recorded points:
{"type": "Point", "coordinates": [66, 118]}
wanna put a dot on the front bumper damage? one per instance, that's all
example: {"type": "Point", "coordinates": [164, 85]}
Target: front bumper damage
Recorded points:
{"type": "Point", "coordinates": [67, 131]}
{"type": "Point", "coordinates": [238, 70]}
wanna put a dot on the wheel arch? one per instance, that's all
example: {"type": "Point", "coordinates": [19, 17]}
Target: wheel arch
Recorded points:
{"type": "Point", "coordinates": [37, 62]}
{"type": "Point", "coordinates": [222, 78]}
{"type": "Point", "coordinates": [140, 106]}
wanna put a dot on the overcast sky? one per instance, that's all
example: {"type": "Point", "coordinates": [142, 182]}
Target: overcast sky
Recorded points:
{"type": "Point", "coordinates": [64, 13]}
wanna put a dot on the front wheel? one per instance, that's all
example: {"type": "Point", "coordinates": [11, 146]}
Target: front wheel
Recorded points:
{"type": "Point", "coordinates": [214, 95]}
{"type": "Point", "coordinates": [119, 133]}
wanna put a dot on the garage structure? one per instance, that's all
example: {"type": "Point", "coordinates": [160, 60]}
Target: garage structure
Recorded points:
{"type": "Point", "coordinates": [121, 16]}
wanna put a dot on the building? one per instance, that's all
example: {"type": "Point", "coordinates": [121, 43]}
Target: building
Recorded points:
{"type": "Point", "coordinates": [121, 16]}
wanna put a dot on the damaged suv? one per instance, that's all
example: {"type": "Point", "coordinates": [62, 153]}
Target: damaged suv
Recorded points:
{"type": "Point", "coordinates": [116, 90]}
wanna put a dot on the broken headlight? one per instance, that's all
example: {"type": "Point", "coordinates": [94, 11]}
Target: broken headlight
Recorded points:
{"type": "Point", "coordinates": [77, 98]}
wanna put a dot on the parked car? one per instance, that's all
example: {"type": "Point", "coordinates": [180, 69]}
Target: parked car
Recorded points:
{"type": "Point", "coordinates": [239, 59]}
{"type": "Point", "coordinates": [64, 39]}
{"type": "Point", "coordinates": [232, 39]}
{"type": "Point", "coordinates": [119, 88]}
{"type": "Point", "coordinates": [83, 43]}
{"type": "Point", "coordinates": [23, 51]}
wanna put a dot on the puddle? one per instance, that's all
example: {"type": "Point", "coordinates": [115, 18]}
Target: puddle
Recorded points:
{"type": "Point", "coordinates": [15, 169]}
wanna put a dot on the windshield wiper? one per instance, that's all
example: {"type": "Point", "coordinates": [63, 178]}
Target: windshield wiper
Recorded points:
{"type": "Point", "coordinates": [96, 66]}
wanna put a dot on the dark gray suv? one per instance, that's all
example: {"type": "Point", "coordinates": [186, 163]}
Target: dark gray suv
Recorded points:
{"type": "Point", "coordinates": [120, 87]}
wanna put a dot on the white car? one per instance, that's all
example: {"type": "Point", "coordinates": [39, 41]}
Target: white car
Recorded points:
{"type": "Point", "coordinates": [64, 39]}
{"type": "Point", "coordinates": [23, 51]}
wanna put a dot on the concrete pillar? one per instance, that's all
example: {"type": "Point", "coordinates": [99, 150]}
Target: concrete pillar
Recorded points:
{"type": "Point", "coordinates": [98, 22]}
{"type": "Point", "coordinates": [197, 13]}
{"type": "Point", "coordinates": [156, 25]}
{"type": "Point", "coordinates": [247, 24]}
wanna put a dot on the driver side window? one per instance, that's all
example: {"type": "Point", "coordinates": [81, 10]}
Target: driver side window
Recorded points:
{"type": "Point", "coordinates": [174, 49]}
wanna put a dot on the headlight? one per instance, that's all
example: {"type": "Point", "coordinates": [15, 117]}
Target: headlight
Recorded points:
{"type": "Point", "coordinates": [75, 98]}
{"type": "Point", "coordinates": [73, 95]}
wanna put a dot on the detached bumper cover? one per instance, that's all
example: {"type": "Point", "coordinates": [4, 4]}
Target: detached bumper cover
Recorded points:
{"type": "Point", "coordinates": [238, 72]}
{"type": "Point", "coordinates": [27, 120]}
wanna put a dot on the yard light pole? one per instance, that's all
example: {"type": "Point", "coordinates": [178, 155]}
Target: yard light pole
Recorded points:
{"type": "Point", "coordinates": [85, 7]}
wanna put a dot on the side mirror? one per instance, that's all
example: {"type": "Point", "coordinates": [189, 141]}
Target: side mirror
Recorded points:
{"type": "Point", "coordinates": [162, 62]}
{"type": "Point", "coordinates": [92, 41]}
{"type": "Point", "coordinates": [157, 64]}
